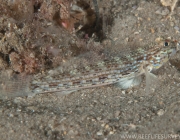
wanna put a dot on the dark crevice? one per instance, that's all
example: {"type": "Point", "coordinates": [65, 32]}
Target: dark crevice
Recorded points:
{"type": "Point", "coordinates": [3, 31]}
{"type": "Point", "coordinates": [37, 6]}
{"type": "Point", "coordinates": [5, 57]}
{"type": "Point", "coordinates": [99, 27]}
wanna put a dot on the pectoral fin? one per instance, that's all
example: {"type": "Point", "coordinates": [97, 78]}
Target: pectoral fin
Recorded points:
{"type": "Point", "coordinates": [151, 81]}
{"type": "Point", "coordinates": [128, 82]}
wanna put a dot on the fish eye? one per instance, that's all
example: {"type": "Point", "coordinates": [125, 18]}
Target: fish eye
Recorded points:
{"type": "Point", "coordinates": [166, 44]}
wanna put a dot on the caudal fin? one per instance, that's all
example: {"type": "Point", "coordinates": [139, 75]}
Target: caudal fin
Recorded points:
{"type": "Point", "coordinates": [14, 85]}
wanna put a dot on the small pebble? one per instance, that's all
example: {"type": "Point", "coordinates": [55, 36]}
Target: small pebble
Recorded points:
{"type": "Point", "coordinates": [176, 28]}
{"type": "Point", "coordinates": [106, 126]}
{"type": "Point", "coordinates": [111, 132]}
{"type": "Point", "coordinates": [116, 114]}
{"type": "Point", "coordinates": [160, 112]}
{"type": "Point", "coordinates": [99, 133]}
{"type": "Point", "coordinates": [123, 92]}
{"type": "Point", "coordinates": [171, 23]}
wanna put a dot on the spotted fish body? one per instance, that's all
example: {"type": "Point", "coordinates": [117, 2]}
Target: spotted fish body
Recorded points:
{"type": "Point", "coordinates": [119, 70]}
{"type": "Point", "coordinates": [125, 71]}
